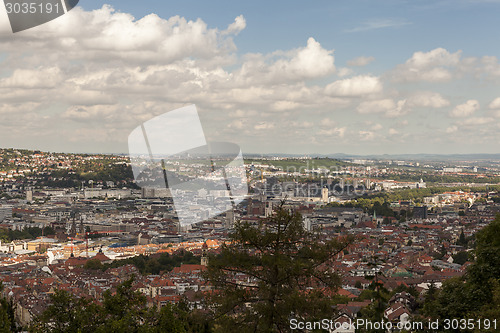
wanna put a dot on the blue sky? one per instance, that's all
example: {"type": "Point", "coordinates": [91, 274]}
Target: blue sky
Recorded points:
{"type": "Point", "coordinates": [282, 76]}
{"type": "Point", "coordinates": [389, 30]}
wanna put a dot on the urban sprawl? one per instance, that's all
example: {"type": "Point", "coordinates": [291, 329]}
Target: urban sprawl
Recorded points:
{"type": "Point", "coordinates": [64, 215]}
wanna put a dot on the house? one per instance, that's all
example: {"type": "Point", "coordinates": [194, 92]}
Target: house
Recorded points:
{"type": "Point", "coordinates": [403, 298]}
{"type": "Point", "coordinates": [343, 324]}
{"type": "Point", "coordinates": [397, 313]}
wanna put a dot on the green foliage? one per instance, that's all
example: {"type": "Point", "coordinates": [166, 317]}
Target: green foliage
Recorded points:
{"type": "Point", "coordinates": [477, 293]}
{"type": "Point", "coordinates": [438, 178]}
{"type": "Point", "coordinates": [67, 314]}
{"type": "Point", "coordinates": [93, 264]}
{"type": "Point", "coordinates": [124, 310]}
{"type": "Point", "coordinates": [282, 260]}
{"type": "Point", "coordinates": [410, 290]}
{"type": "Point", "coordinates": [26, 233]}
{"type": "Point", "coordinates": [461, 239]}
{"type": "Point", "coordinates": [155, 264]}
{"type": "Point", "coordinates": [439, 255]}
{"type": "Point", "coordinates": [461, 258]}
{"type": "Point", "coordinates": [7, 322]}
{"type": "Point", "coordinates": [300, 165]}
{"type": "Point", "coordinates": [380, 202]}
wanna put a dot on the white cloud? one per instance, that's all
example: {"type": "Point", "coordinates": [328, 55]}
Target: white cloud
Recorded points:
{"type": "Point", "coordinates": [433, 66]}
{"type": "Point", "coordinates": [366, 135]}
{"type": "Point", "coordinates": [360, 61]}
{"type": "Point", "coordinates": [309, 62]}
{"type": "Point", "coordinates": [393, 131]}
{"type": "Point", "coordinates": [237, 26]}
{"type": "Point", "coordinates": [335, 132]}
{"type": "Point", "coordinates": [104, 80]}
{"type": "Point", "coordinates": [17, 108]}
{"type": "Point", "coordinates": [474, 121]}
{"type": "Point", "coordinates": [490, 66]}
{"type": "Point", "coordinates": [466, 109]}
{"type": "Point", "coordinates": [109, 36]}
{"type": "Point", "coordinates": [386, 106]}
{"type": "Point", "coordinates": [327, 122]}
{"type": "Point", "coordinates": [399, 110]}
{"type": "Point", "coordinates": [344, 71]}
{"type": "Point", "coordinates": [264, 126]}
{"type": "Point", "coordinates": [378, 24]}
{"type": "Point", "coordinates": [452, 129]}
{"type": "Point", "coordinates": [427, 99]}
{"type": "Point", "coordinates": [39, 78]}
{"type": "Point", "coordinates": [495, 104]}
{"type": "Point", "coordinates": [285, 105]}
{"type": "Point", "coordinates": [378, 106]}
{"type": "Point", "coordinates": [355, 86]}
{"type": "Point", "coordinates": [238, 124]}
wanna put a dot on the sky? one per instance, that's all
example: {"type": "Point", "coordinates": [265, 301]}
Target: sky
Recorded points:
{"type": "Point", "coordinates": [317, 77]}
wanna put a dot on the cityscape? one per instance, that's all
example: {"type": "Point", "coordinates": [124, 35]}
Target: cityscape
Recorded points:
{"type": "Point", "coordinates": [251, 167]}
{"type": "Point", "coordinates": [79, 223]}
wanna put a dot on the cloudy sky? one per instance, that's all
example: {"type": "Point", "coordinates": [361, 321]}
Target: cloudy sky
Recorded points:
{"type": "Point", "coordinates": [357, 77]}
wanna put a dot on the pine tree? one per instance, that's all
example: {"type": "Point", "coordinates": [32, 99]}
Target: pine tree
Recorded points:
{"type": "Point", "coordinates": [461, 239]}
{"type": "Point", "coordinates": [5, 322]}
{"type": "Point", "coordinates": [477, 293]}
{"type": "Point", "coordinates": [271, 273]}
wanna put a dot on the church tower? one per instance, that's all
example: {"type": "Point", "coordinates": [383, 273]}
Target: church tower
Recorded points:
{"type": "Point", "coordinates": [204, 254]}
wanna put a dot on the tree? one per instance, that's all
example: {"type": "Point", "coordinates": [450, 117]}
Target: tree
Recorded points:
{"type": "Point", "coordinates": [283, 275]}
{"type": "Point", "coordinates": [461, 257]}
{"type": "Point", "coordinates": [6, 322]}
{"type": "Point", "coordinates": [68, 314]}
{"type": "Point", "coordinates": [168, 320]}
{"type": "Point", "coordinates": [461, 239]}
{"type": "Point", "coordinates": [125, 310]}
{"type": "Point", "coordinates": [93, 264]}
{"type": "Point", "coordinates": [442, 252]}
{"type": "Point", "coordinates": [477, 293]}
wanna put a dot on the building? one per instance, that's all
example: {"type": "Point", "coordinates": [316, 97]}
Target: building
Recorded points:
{"type": "Point", "coordinates": [5, 211]}
{"type": "Point", "coordinates": [324, 194]}
{"type": "Point", "coordinates": [204, 254]}
{"type": "Point", "coordinates": [420, 212]}
{"type": "Point", "coordinates": [229, 220]}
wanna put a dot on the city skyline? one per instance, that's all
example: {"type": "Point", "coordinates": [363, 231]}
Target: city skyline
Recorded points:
{"type": "Point", "coordinates": [322, 78]}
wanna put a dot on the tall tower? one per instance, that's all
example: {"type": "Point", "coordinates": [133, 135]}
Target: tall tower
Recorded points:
{"type": "Point", "coordinates": [29, 195]}
{"type": "Point", "coordinates": [204, 254]}
{"type": "Point", "coordinates": [229, 221]}
{"type": "Point", "coordinates": [73, 230]}
{"type": "Point", "coordinates": [324, 194]}
{"type": "Point", "coordinates": [268, 210]}
{"type": "Point", "coordinates": [82, 228]}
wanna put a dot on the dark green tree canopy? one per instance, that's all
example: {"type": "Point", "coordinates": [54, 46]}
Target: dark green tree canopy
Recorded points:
{"type": "Point", "coordinates": [476, 295]}
{"type": "Point", "coordinates": [272, 272]}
